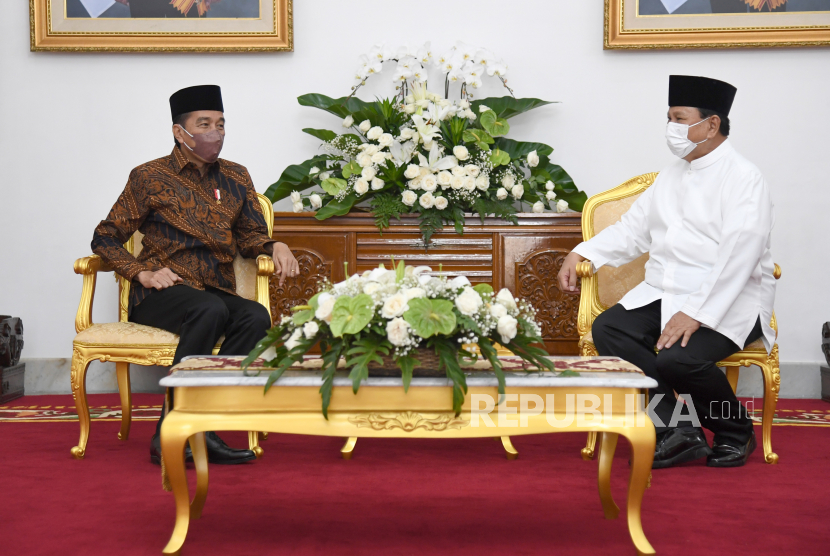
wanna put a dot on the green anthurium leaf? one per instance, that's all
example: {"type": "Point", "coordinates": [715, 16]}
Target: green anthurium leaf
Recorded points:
{"type": "Point", "coordinates": [302, 317]}
{"type": "Point", "coordinates": [576, 200]}
{"type": "Point", "coordinates": [494, 125]}
{"type": "Point", "coordinates": [499, 158]}
{"type": "Point", "coordinates": [294, 178]}
{"type": "Point", "coordinates": [520, 149]}
{"type": "Point", "coordinates": [477, 136]}
{"type": "Point", "coordinates": [563, 182]}
{"type": "Point", "coordinates": [483, 288]}
{"type": "Point", "coordinates": [314, 301]}
{"type": "Point", "coordinates": [341, 107]}
{"type": "Point", "coordinates": [337, 208]}
{"type": "Point", "coordinates": [350, 315]}
{"type": "Point", "coordinates": [351, 168]}
{"type": "Point", "coordinates": [507, 107]}
{"type": "Point", "coordinates": [333, 186]}
{"type": "Point", "coordinates": [430, 316]}
{"type": "Point", "coordinates": [321, 134]}
{"type": "Point", "coordinates": [483, 146]}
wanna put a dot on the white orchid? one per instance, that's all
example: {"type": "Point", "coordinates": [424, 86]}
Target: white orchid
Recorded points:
{"type": "Point", "coordinates": [436, 162]}
{"type": "Point", "coordinates": [369, 65]}
{"type": "Point", "coordinates": [497, 67]}
{"type": "Point", "coordinates": [424, 54]}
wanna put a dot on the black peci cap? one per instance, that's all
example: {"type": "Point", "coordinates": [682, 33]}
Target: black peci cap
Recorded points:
{"type": "Point", "coordinates": [701, 92]}
{"type": "Point", "coordinates": [200, 97]}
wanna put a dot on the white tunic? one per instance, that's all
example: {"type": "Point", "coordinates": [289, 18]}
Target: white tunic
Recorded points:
{"type": "Point", "coordinates": [706, 226]}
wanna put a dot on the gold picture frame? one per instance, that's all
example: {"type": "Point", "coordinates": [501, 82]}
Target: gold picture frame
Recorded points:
{"type": "Point", "coordinates": [53, 31]}
{"type": "Point", "coordinates": [626, 28]}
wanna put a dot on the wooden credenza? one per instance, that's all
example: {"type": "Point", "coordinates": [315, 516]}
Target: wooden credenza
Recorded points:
{"type": "Point", "coordinates": [524, 258]}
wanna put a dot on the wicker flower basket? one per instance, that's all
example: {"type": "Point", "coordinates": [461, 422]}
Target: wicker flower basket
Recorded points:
{"type": "Point", "coordinates": [428, 367]}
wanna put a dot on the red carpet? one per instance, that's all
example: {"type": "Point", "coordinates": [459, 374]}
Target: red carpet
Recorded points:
{"type": "Point", "coordinates": [401, 497]}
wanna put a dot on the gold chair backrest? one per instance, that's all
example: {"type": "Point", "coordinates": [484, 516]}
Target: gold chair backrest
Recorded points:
{"type": "Point", "coordinates": [244, 269]}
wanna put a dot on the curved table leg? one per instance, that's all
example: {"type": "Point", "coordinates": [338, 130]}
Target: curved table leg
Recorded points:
{"type": "Point", "coordinates": [348, 448]}
{"type": "Point", "coordinates": [253, 444]}
{"type": "Point", "coordinates": [172, 449]}
{"type": "Point", "coordinates": [608, 444]}
{"type": "Point", "coordinates": [642, 455]}
{"type": "Point", "coordinates": [78, 378]}
{"type": "Point", "coordinates": [200, 460]}
{"type": "Point", "coordinates": [510, 451]}
{"type": "Point", "coordinates": [122, 372]}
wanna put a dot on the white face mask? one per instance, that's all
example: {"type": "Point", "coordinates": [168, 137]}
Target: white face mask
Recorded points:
{"type": "Point", "coordinates": [677, 138]}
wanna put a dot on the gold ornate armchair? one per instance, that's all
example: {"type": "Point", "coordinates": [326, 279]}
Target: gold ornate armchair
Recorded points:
{"type": "Point", "coordinates": [605, 288]}
{"type": "Point", "coordinates": [125, 342]}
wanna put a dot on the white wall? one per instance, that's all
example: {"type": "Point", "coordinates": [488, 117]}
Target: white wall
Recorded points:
{"type": "Point", "coordinates": [73, 125]}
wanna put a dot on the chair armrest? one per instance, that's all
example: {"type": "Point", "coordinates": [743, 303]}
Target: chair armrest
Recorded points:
{"type": "Point", "coordinates": [777, 272]}
{"type": "Point", "coordinates": [584, 269]}
{"type": "Point", "coordinates": [264, 271]}
{"type": "Point", "coordinates": [88, 267]}
{"type": "Point", "coordinates": [91, 265]}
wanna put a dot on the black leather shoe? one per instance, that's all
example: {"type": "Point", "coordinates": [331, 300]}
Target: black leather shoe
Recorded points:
{"type": "Point", "coordinates": [726, 455]}
{"type": "Point", "coordinates": [679, 446]}
{"type": "Point", "coordinates": [155, 451]}
{"type": "Point", "coordinates": [222, 454]}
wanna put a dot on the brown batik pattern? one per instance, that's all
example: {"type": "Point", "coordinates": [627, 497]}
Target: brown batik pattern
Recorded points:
{"type": "Point", "coordinates": [185, 228]}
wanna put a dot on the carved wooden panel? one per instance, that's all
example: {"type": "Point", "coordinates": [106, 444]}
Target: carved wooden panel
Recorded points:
{"type": "Point", "coordinates": [536, 282]}
{"type": "Point", "coordinates": [298, 290]}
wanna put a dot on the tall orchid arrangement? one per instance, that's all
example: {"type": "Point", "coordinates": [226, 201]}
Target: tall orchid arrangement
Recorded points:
{"type": "Point", "coordinates": [423, 153]}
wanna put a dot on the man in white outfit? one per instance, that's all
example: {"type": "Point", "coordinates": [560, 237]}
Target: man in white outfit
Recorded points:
{"type": "Point", "coordinates": [709, 287]}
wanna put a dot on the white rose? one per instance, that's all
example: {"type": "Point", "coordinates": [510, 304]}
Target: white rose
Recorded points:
{"type": "Point", "coordinates": [406, 133]}
{"type": "Point", "coordinates": [461, 152]}
{"type": "Point", "coordinates": [441, 202]}
{"type": "Point", "coordinates": [427, 200]}
{"type": "Point", "coordinates": [532, 159]}
{"type": "Point", "coordinates": [469, 114]}
{"type": "Point", "coordinates": [361, 186]}
{"type": "Point", "coordinates": [501, 194]}
{"type": "Point", "coordinates": [550, 185]}
{"type": "Point", "coordinates": [444, 177]}
{"type": "Point", "coordinates": [294, 339]}
{"type": "Point", "coordinates": [457, 182]}
{"type": "Point", "coordinates": [517, 191]}
{"type": "Point", "coordinates": [314, 170]}
{"type": "Point", "coordinates": [468, 302]}
{"type": "Point", "coordinates": [298, 207]}
{"type": "Point", "coordinates": [409, 99]}
{"type": "Point", "coordinates": [561, 205]}
{"type": "Point", "coordinates": [316, 201]}
{"type": "Point", "coordinates": [325, 304]}
{"type": "Point", "coordinates": [497, 310]}
{"type": "Point", "coordinates": [368, 173]}
{"type": "Point", "coordinates": [409, 197]}
{"type": "Point", "coordinates": [374, 133]}
{"type": "Point", "coordinates": [506, 298]}
{"type": "Point", "coordinates": [377, 158]}
{"type": "Point", "coordinates": [482, 109]}
{"type": "Point", "coordinates": [463, 104]}
{"type": "Point", "coordinates": [370, 149]}
{"type": "Point", "coordinates": [394, 306]}
{"type": "Point", "coordinates": [507, 327]}
{"type": "Point", "coordinates": [397, 331]}
{"type": "Point", "coordinates": [412, 171]}
{"type": "Point", "coordinates": [365, 126]}
{"type": "Point", "coordinates": [458, 282]}
{"type": "Point", "coordinates": [508, 181]}
{"type": "Point", "coordinates": [550, 195]}
{"type": "Point", "coordinates": [348, 121]}
{"type": "Point", "coordinates": [472, 170]}
{"type": "Point", "coordinates": [364, 160]}
{"type": "Point", "coordinates": [414, 184]}
{"type": "Point", "coordinates": [385, 140]}
{"type": "Point", "coordinates": [482, 183]}
{"type": "Point", "coordinates": [429, 183]}
{"type": "Point", "coordinates": [538, 206]}
{"type": "Point", "coordinates": [324, 176]}
{"type": "Point", "coordinates": [469, 183]}
{"type": "Point", "coordinates": [295, 197]}
{"type": "Point", "coordinates": [459, 171]}
{"type": "Point", "coordinates": [409, 108]}
{"type": "Point", "coordinates": [412, 293]}
{"type": "Point", "coordinates": [310, 329]}
{"type": "Point", "coordinates": [371, 287]}
{"type": "Point", "coordinates": [377, 184]}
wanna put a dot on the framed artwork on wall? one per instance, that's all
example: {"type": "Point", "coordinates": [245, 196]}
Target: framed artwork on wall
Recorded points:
{"type": "Point", "coordinates": [161, 25]}
{"type": "Point", "coordinates": [643, 24]}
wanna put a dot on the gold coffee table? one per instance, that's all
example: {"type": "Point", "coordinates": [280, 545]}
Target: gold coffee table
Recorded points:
{"type": "Point", "coordinates": [212, 393]}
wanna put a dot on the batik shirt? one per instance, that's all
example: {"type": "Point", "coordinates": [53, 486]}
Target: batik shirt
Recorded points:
{"type": "Point", "coordinates": [193, 224]}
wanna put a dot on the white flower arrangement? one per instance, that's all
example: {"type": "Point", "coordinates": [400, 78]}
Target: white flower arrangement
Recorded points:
{"type": "Point", "coordinates": [415, 148]}
{"type": "Point", "coordinates": [398, 312]}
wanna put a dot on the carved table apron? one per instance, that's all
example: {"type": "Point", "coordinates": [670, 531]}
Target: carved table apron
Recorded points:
{"type": "Point", "coordinates": [210, 398]}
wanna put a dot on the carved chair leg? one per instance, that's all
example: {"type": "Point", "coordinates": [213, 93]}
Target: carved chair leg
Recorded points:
{"type": "Point", "coordinates": [772, 384]}
{"type": "Point", "coordinates": [590, 446]}
{"type": "Point", "coordinates": [732, 377]}
{"type": "Point", "coordinates": [253, 444]}
{"type": "Point", "coordinates": [78, 379]}
{"type": "Point", "coordinates": [122, 371]}
{"type": "Point", "coordinates": [509, 450]}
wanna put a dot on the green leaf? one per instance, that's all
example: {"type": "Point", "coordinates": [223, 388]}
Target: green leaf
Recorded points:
{"type": "Point", "coordinates": [351, 168]}
{"type": "Point", "coordinates": [477, 136]}
{"type": "Point", "coordinates": [333, 186]}
{"type": "Point", "coordinates": [273, 336]}
{"type": "Point", "coordinates": [321, 134]}
{"type": "Point", "coordinates": [400, 272]}
{"type": "Point", "coordinates": [507, 107]}
{"type": "Point", "coordinates": [302, 317]}
{"type": "Point", "coordinates": [568, 372]}
{"type": "Point", "coordinates": [500, 209]}
{"type": "Point", "coordinates": [330, 360]}
{"type": "Point", "coordinates": [492, 355]}
{"type": "Point", "coordinates": [365, 351]}
{"type": "Point", "coordinates": [520, 149]}
{"type": "Point", "coordinates": [350, 315]}
{"type": "Point", "coordinates": [565, 188]}
{"type": "Point", "coordinates": [407, 365]}
{"type": "Point", "coordinates": [494, 125]}
{"type": "Point", "coordinates": [337, 208]}
{"type": "Point", "coordinates": [386, 206]}
{"type": "Point", "coordinates": [483, 288]}
{"type": "Point", "coordinates": [341, 107]}
{"type": "Point", "coordinates": [499, 158]}
{"type": "Point", "coordinates": [294, 178]}
{"type": "Point", "coordinates": [428, 317]}
{"type": "Point", "coordinates": [447, 351]}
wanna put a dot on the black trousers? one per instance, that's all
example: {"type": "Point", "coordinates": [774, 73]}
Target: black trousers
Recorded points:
{"type": "Point", "coordinates": [690, 370]}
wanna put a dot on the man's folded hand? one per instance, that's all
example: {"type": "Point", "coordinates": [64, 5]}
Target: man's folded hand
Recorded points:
{"type": "Point", "coordinates": [159, 279]}
{"type": "Point", "coordinates": [567, 274]}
